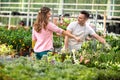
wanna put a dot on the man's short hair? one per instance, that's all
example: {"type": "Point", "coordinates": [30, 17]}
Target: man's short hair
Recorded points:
{"type": "Point", "coordinates": [85, 13]}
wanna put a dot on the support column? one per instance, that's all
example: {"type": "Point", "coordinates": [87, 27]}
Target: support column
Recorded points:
{"type": "Point", "coordinates": [60, 11]}
{"type": "Point", "coordinates": [110, 8]}
{"type": "Point", "coordinates": [28, 13]}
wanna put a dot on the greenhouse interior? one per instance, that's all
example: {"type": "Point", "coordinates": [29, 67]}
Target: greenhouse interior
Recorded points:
{"type": "Point", "coordinates": [98, 57]}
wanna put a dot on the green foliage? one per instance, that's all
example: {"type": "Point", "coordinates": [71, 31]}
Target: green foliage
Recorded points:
{"type": "Point", "coordinates": [57, 40]}
{"type": "Point", "coordinates": [108, 74]}
{"type": "Point", "coordinates": [28, 69]}
{"type": "Point", "coordinates": [19, 38]}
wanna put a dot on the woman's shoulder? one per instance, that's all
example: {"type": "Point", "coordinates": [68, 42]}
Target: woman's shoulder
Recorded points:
{"type": "Point", "coordinates": [51, 24]}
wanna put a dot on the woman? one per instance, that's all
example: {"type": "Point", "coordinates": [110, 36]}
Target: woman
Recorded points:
{"type": "Point", "coordinates": [42, 33]}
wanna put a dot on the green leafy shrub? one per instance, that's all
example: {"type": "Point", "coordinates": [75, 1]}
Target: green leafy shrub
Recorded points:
{"type": "Point", "coordinates": [19, 38]}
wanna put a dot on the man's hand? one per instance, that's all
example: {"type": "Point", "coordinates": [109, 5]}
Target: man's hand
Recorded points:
{"type": "Point", "coordinates": [107, 46]}
{"type": "Point", "coordinates": [65, 50]}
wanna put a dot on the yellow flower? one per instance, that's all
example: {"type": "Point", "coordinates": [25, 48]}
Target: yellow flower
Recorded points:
{"type": "Point", "coordinates": [23, 44]}
{"type": "Point", "coordinates": [20, 40]}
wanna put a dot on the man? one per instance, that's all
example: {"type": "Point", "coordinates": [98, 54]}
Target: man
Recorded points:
{"type": "Point", "coordinates": [81, 29]}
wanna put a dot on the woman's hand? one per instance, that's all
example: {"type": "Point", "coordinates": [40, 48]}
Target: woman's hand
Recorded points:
{"type": "Point", "coordinates": [33, 43]}
{"type": "Point", "coordinates": [78, 39]}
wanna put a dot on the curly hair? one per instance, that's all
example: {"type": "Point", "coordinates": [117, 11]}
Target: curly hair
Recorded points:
{"type": "Point", "coordinates": [42, 20]}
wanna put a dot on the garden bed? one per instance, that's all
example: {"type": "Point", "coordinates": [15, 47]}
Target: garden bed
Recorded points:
{"type": "Point", "coordinates": [103, 64]}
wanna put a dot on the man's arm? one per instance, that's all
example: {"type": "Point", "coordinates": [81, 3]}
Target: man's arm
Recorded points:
{"type": "Point", "coordinates": [66, 40]}
{"type": "Point", "coordinates": [100, 39]}
{"type": "Point", "coordinates": [68, 33]}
